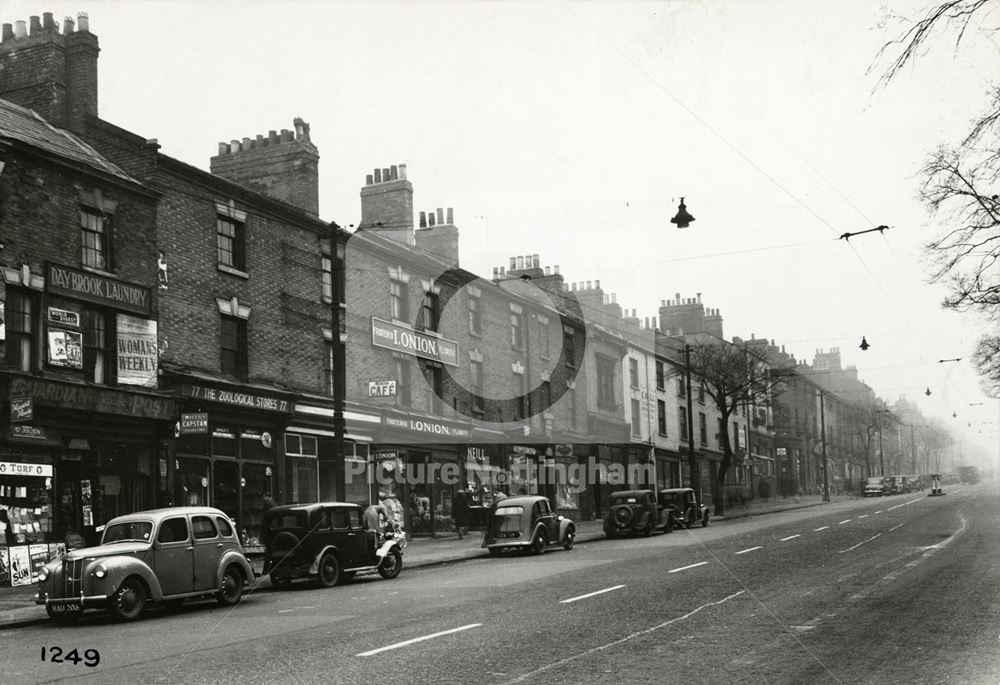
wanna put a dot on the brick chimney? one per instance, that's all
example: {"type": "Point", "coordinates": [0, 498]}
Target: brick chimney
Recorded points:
{"type": "Point", "coordinates": [387, 204]}
{"type": "Point", "coordinates": [51, 72]}
{"type": "Point", "coordinates": [439, 235]}
{"type": "Point", "coordinates": [283, 166]}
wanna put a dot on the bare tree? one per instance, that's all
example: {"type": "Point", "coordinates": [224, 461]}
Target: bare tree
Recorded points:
{"type": "Point", "coordinates": [733, 376]}
{"type": "Point", "coordinates": [960, 181]}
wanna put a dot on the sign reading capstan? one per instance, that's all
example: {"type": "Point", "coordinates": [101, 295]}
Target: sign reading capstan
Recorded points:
{"type": "Point", "coordinates": [403, 339]}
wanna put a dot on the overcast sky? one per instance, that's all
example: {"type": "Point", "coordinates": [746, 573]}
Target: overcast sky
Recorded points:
{"type": "Point", "coordinates": [572, 129]}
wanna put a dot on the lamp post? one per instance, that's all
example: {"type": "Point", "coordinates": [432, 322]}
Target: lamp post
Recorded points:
{"type": "Point", "coordinates": [692, 460]}
{"type": "Point", "coordinates": [881, 456]}
{"type": "Point", "coordinates": [339, 357]}
{"type": "Point", "coordinates": [822, 428]}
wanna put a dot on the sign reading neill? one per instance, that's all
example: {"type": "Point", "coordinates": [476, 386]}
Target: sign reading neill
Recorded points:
{"type": "Point", "coordinates": [91, 287]}
{"type": "Point", "coordinates": [403, 339]}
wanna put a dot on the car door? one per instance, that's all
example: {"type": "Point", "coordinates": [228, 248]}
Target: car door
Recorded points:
{"type": "Point", "coordinates": [349, 540]}
{"type": "Point", "coordinates": [173, 556]}
{"type": "Point", "coordinates": [208, 548]}
{"type": "Point", "coordinates": [548, 518]}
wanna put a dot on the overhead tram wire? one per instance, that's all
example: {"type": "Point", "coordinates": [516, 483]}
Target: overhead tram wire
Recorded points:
{"type": "Point", "coordinates": [749, 161]}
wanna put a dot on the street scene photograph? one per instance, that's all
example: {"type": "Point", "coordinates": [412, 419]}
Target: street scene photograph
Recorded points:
{"type": "Point", "coordinates": [555, 341]}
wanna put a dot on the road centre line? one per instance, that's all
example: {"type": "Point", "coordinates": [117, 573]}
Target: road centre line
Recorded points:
{"type": "Point", "coordinates": [816, 530]}
{"type": "Point", "coordinates": [844, 521]}
{"type": "Point", "coordinates": [878, 512]}
{"type": "Point", "coordinates": [863, 516]}
{"type": "Point", "coordinates": [685, 568]}
{"type": "Point", "coordinates": [790, 537]}
{"type": "Point", "coordinates": [592, 594]}
{"type": "Point", "coordinates": [752, 549]}
{"type": "Point", "coordinates": [861, 543]}
{"type": "Point", "coordinates": [895, 527]}
{"type": "Point", "coordinates": [418, 639]}
{"type": "Point", "coordinates": [903, 504]}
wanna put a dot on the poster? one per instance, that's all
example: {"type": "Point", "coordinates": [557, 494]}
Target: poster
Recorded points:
{"type": "Point", "coordinates": [39, 555]}
{"type": "Point", "coordinates": [4, 567]}
{"type": "Point", "coordinates": [137, 351]}
{"type": "Point", "coordinates": [65, 348]}
{"type": "Point", "coordinates": [20, 566]}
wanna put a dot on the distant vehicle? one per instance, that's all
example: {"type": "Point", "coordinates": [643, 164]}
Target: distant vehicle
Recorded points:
{"type": "Point", "coordinates": [327, 541]}
{"type": "Point", "coordinates": [633, 512]}
{"type": "Point", "coordinates": [968, 474]}
{"type": "Point", "coordinates": [876, 486]}
{"type": "Point", "coordinates": [682, 508]}
{"type": "Point", "coordinates": [163, 555]}
{"type": "Point", "coordinates": [527, 523]}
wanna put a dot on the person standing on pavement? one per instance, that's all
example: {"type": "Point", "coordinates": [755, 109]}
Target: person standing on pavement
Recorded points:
{"type": "Point", "coordinates": [10, 539]}
{"type": "Point", "coordinates": [460, 513]}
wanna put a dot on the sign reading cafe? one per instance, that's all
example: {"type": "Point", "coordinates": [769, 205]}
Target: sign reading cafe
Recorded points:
{"type": "Point", "coordinates": [404, 339]}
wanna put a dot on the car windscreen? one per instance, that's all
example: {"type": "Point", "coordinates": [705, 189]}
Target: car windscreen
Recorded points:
{"type": "Point", "coordinates": [129, 531]}
{"type": "Point", "coordinates": [624, 500]}
{"type": "Point", "coordinates": [509, 511]}
{"type": "Point", "coordinates": [288, 519]}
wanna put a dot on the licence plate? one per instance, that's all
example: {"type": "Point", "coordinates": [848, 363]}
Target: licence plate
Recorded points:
{"type": "Point", "coordinates": [64, 608]}
{"type": "Point", "coordinates": [509, 534]}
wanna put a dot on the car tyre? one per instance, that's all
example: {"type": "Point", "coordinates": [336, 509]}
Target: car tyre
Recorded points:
{"type": "Point", "coordinates": [391, 565]}
{"type": "Point", "coordinates": [570, 540]}
{"type": "Point", "coordinates": [232, 586]}
{"type": "Point", "coordinates": [129, 600]}
{"type": "Point", "coordinates": [538, 543]}
{"type": "Point", "coordinates": [329, 570]}
{"type": "Point", "coordinates": [648, 530]}
{"type": "Point", "coordinates": [704, 520]}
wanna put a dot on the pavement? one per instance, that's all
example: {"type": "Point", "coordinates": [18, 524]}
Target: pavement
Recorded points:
{"type": "Point", "coordinates": [17, 607]}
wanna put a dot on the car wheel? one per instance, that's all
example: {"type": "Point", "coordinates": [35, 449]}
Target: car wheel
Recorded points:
{"type": "Point", "coordinates": [391, 565]}
{"type": "Point", "coordinates": [232, 586]}
{"type": "Point", "coordinates": [538, 543]}
{"type": "Point", "coordinates": [329, 570]}
{"type": "Point", "coordinates": [570, 540]}
{"type": "Point", "coordinates": [704, 520]}
{"type": "Point", "coordinates": [129, 600]}
{"type": "Point", "coordinates": [648, 530]}
{"type": "Point", "coordinates": [64, 618]}
{"type": "Point", "coordinates": [668, 527]}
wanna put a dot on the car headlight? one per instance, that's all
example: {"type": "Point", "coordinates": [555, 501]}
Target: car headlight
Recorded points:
{"type": "Point", "coordinates": [100, 571]}
{"type": "Point", "coordinates": [42, 575]}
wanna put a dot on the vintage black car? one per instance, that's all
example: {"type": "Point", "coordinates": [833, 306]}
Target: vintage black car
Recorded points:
{"type": "Point", "coordinates": [876, 486]}
{"type": "Point", "coordinates": [326, 541]}
{"type": "Point", "coordinates": [632, 512]}
{"type": "Point", "coordinates": [683, 509]}
{"type": "Point", "coordinates": [527, 523]}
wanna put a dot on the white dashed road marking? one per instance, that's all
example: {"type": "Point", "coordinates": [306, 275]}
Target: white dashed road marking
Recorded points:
{"type": "Point", "coordinates": [861, 543]}
{"type": "Point", "coordinates": [592, 594]}
{"type": "Point", "coordinates": [816, 530]}
{"type": "Point", "coordinates": [844, 521]}
{"type": "Point", "coordinates": [790, 537]}
{"type": "Point", "coordinates": [752, 549]}
{"type": "Point", "coordinates": [418, 639]}
{"type": "Point", "coordinates": [685, 568]}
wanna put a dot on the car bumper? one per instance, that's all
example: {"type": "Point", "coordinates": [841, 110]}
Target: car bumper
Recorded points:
{"type": "Point", "coordinates": [70, 605]}
{"type": "Point", "coordinates": [505, 544]}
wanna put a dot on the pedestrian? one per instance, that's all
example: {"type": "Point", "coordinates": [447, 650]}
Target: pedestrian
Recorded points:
{"type": "Point", "coordinates": [460, 513]}
{"type": "Point", "coordinates": [10, 539]}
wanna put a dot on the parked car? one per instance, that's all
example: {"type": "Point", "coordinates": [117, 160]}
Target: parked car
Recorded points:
{"type": "Point", "coordinates": [328, 542]}
{"type": "Point", "coordinates": [682, 508]}
{"type": "Point", "coordinates": [634, 511]}
{"type": "Point", "coordinates": [163, 555]}
{"type": "Point", "coordinates": [876, 486]}
{"type": "Point", "coordinates": [526, 522]}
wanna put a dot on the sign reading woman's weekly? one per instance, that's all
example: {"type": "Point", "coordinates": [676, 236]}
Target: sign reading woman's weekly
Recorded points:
{"type": "Point", "coordinates": [137, 351]}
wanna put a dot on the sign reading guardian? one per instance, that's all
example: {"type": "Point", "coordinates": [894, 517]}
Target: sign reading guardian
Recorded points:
{"type": "Point", "coordinates": [403, 339]}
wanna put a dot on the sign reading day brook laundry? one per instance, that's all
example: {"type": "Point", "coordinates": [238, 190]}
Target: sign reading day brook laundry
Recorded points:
{"type": "Point", "coordinates": [403, 339]}
{"type": "Point", "coordinates": [91, 287]}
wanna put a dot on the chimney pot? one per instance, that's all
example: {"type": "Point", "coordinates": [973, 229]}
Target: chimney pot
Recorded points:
{"type": "Point", "coordinates": [368, 179]}
{"type": "Point", "coordinates": [393, 172]}
{"type": "Point", "coordinates": [47, 21]}
{"type": "Point", "coordinates": [502, 273]}
{"type": "Point", "coordinates": [378, 175]}
{"type": "Point", "coordinates": [385, 175]}
{"type": "Point", "coordinates": [440, 215]}
{"type": "Point", "coordinates": [83, 21]}
{"type": "Point", "coordinates": [36, 24]}
{"type": "Point", "coordinates": [259, 140]}
{"type": "Point", "coordinates": [20, 29]}
{"type": "Point", "coordinates": [402, 172]}
{"type": "Point", "coordinates": [513, 263]}
{"type": "Point", "coordinates": [68, 25]}
{"type": "Point", "coordinates": [555, 269]}
{"type": "Point", "coordinates": [272, 137]}
{"type": "Point", "coordinates": [423, 219]}
{"type": "Point", "coordinates": [535, 261]}
{"type": "Point", "coordinates": [234, 146]}
{"type": "Point", "coordinates": [246, 144]}
{"type": "Point", "coordinates": [614, 297]}
{"type": "Point", "coordinates": [496, 271]}
{"type": "Point", "coordinates": [430, 219]}
{"type": "Point", "coordinates": [223, 148]}
{"type": "Point", "coordinates": [607, 298]}
{"type": "Point", "coordinates": [597, 284]}
{"type": "Point", "coordinates": [520, 262]}
{"type": "Point", "coordinates": [8, 31]}
{"type": "Point", "coordinates": [548, 271]}
{"type": "Point", "coordinates": [588, 285]}
{"type": "Point", "coordinates": [451, 216]}
{"type": "Point", "coordinates": [574, 287]}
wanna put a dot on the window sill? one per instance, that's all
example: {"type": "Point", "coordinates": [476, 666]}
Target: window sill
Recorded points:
{"type": "Point", "coordinates": [231, 271]}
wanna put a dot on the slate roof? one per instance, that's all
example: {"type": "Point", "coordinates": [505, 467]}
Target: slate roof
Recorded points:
{"type": "Point", "coordinates": [24, 125]}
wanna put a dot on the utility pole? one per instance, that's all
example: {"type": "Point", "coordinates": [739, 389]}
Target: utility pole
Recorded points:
{"type": "Point", "coordinates": [339, 358]}
{"type": "Point", "coordinates": [692, 460]}
{"type": "Point", "coordinates": [822, 428]}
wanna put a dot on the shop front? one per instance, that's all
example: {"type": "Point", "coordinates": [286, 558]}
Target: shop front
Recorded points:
{"type": "Point", "coordinates": [224, 452]}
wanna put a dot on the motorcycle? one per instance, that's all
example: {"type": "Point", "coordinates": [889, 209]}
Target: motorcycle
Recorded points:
{"type": "Point", "coordinates": [390, 551]}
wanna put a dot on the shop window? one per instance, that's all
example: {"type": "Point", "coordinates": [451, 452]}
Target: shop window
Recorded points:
{"type": "Point", "coordinates": [233, 343]}
{"type": "Point", "coordinates": [95, 226]}
{"type": "Point", "coordinates": [231, 241]}
{"type": "Point", "coordinates": [223, 442]}
{"type": "Point", "coordinates": [22, 327]}
{"type": "Point", "coordinates": [302, 475]}
{"type": "Point", "coordinates": [191, 482]}
{"type": "Point", "coordinates": [97, 349]}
